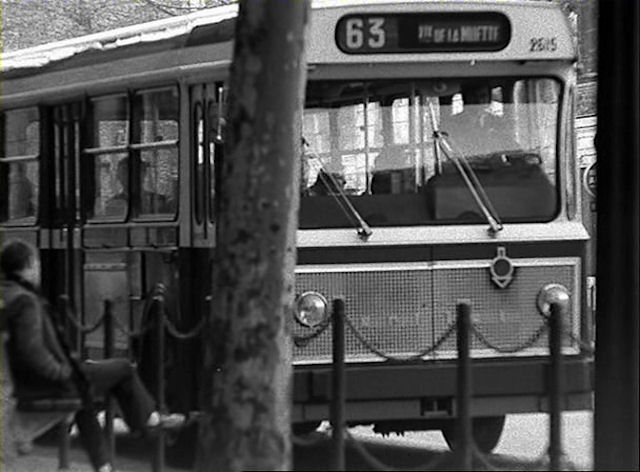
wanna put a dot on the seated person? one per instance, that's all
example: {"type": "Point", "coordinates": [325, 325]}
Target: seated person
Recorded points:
{"type": "Point", "coordinates": [393, 173]}
{"type": "Point", "coordinates": [477, 130]}
{"type": "Point", "coordinates": [21, 194]}
{"type": "Point", "coordinates": [118, 204]}
{"type": "Point", "coordinates": [42, 366]}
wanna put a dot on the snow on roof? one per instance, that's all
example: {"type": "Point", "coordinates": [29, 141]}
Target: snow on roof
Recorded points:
{"type": "Point", "coordinates": [168, 28]}
{"type": "Point", "coordinates": [40, 56]}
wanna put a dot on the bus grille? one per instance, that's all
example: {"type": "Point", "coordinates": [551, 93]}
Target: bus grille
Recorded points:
{"type": "Point", "coordinates": [404, 310]}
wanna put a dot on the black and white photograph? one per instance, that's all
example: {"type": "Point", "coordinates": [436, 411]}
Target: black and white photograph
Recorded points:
{"type": "Point", "coordinates": [319, 235]}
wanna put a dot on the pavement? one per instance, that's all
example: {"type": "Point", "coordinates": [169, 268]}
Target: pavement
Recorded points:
{"type": "Point", "coordinates": [524, 440]}
{"type": "Point", "coordinates": [44, 458]}
{"type": "Point", "coordinates": [132, 454]}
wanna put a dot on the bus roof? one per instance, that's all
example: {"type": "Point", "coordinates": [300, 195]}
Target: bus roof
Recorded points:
{"type": "Point", "coordinates": [550, 24]}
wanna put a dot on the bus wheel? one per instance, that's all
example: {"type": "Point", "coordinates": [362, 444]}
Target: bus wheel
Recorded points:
{"type": "Point", "coordinates": [486, 432]}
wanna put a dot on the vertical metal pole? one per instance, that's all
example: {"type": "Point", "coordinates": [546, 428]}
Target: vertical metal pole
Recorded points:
{"type": "Point", "coordinates": [108, 354]}
{"type": "Point", "coordinates": [555, 386]}
{"type": "Point", "coordinates": [158, 303]}
{"type": "Point", "coordinates": [63, 445]}
{"type": "Point", "coordinates": [463, 394]}
{"type": "Point", "coordinates": [338, 386]}
{"type": "Point", "coordinates": [63, 426]}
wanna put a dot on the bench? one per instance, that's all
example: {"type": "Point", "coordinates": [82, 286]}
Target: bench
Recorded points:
{"type": "Point", "coordinates": [23, 420]}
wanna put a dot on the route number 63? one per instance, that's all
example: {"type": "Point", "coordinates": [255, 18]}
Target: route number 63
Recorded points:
{"type": "Point", "coordinates": [365, 33]}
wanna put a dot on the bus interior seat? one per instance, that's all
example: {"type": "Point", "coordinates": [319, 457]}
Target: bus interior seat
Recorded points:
{"type": "Point", "coordinates": [516, 185]}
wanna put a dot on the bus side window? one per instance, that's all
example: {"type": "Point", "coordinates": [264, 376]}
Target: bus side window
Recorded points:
{"type": "Point", "coordinates": [155, 140]}
{"type": "Point", "coordinates": [21, 192]}
{"type": "Point", "coordinates": [109, 139]}
{"type": "Point", "coordinates": [19, 166]}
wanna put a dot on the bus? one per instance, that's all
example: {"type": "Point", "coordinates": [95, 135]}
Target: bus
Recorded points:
{"type": "Point", "coordinates": [439, 165]}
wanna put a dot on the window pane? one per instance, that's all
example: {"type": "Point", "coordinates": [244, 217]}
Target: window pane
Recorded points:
{"type": "Point", "coordinates": [22, 132]}
{"type": "Point", "coordinates": [156, 114]}
{"type": "Point", "coordinates": [110, 121]}
{"type": "Point", "coordinates": [23, 190]}
{"type": "Point", "coordinates": [351, 127]}
{"type": "Point", "coordinates": [159, 181]}
{"type": "Point", "coordinates": [156, 120]}
{"type": "Point", "coordinates": [378, 146]}
{"type": "Point", "coordinates": [111, 197]}
{"type": "Point", "coordinates": [20, 138]}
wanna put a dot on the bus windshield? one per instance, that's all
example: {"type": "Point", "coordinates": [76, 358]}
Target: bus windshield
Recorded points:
{"type": "Point", "coordinates": [379, 143]}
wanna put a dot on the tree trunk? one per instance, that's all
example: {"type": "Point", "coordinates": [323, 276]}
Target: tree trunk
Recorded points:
{"type": "Point", "coordinates": [248, 352]}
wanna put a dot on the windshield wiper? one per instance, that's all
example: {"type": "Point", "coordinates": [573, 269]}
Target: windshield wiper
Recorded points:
{"type": "Point", "coordinates": [330, 182]}
{"type": "Point", "coordinates": [468, 175]}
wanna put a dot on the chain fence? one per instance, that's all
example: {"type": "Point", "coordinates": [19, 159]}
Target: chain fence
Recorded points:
{"type": "Point", "coordinates": [302, 341]}
{"type": "Point", "coordinates": [532, 340]}
{"type": "Point", "coordinates": [146, 326]}
{"type": "Point", "coordinates": [479, 459]}
{"type": "Point", "coordinates": [408, 359]}
{"type": "Point", "coordinates": [528, 343]}
{"type": "Point", "coordinates": [160, 318]}
{"type": "Point", "coordinates": [81, 328]}
{"type": "Point", "coordinates": [186, 335]}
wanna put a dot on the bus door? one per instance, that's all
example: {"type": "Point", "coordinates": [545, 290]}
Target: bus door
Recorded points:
{"type": "Point", "coordinates": [207, 110]}
{"type": "Point", "coordinates": [66, 257]}
{"type": "Point", "coordinates": [207, 101]}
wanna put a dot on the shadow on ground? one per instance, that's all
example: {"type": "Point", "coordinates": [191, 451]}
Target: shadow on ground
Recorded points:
{"type": "Point", "coordinates": [135, 454]}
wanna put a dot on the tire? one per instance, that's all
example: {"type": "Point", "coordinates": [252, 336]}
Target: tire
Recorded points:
{"type": "Point", "coordinates": [486, 432]}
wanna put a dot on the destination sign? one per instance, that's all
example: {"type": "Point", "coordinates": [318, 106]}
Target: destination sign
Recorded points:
{"type": "Point", "coordinates": [426, 32]}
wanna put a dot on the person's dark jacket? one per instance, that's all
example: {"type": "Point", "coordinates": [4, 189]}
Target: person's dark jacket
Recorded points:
{"type": "Point", "coordinates": [38, 363]}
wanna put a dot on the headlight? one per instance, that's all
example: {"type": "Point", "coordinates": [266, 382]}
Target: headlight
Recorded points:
{"type": "Point", "coordinates": [311, 309]}
{"type": "Point", "coordinates": [553, 293]}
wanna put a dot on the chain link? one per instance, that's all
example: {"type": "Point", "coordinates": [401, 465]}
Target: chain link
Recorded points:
{"type": "Point", "coordinates": [302, 341]}
{"type": "Point", "coordinates": [131, 333]}
{"type": "Point", "coordinates": [414, 357]}
{"type": "Point", "coordinates": [84, 329]}
{"type": "Point", "coordinates": [533, 339]}
{"type": "Point", "coordinates": [183, 336]}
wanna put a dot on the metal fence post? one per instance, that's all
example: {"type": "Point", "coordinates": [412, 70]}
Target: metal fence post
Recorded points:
{"type": "Point", "coordinates": [555, 386]}
{"type": "Point", "coordinates": [108, 354]}
{"type": "Point", "coordinates": [158, 303]}
{"type": "Point", "coordinates": [64, 441]}
{"type": "Point", "coordinates": [63, 444]}
{"type": "Point", "coordinates": [463, 394]}
{"type": "Point", "coordinates": [338, 386]}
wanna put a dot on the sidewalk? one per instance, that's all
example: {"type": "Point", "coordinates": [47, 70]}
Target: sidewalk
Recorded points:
{"type": "Point", "coordinates": [131, 456]}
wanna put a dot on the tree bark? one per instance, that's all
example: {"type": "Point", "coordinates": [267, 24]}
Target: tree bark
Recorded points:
{"type": "Point", "coordinates": [248, 353]}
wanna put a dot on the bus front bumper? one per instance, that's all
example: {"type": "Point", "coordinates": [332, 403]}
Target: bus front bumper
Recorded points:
{"type": "Point", "coordinates": [377, 392]}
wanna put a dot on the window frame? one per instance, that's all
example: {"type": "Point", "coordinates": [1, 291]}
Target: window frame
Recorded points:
{"type": "Point", "coordinates": [5, 165]}
{"type": "Point", "coordinates": [132, 148]}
